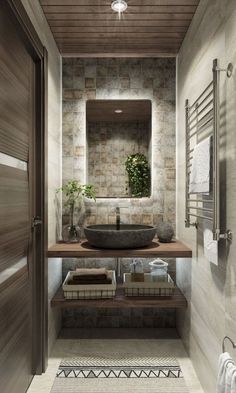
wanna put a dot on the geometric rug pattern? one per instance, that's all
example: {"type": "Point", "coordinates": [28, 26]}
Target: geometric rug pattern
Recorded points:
{"type": "Point", "coordinates": [119, 366]}
{"type": "Point", "coordinates": [124, 372]}
{"type": "Point", "coordinates": [128, 367]}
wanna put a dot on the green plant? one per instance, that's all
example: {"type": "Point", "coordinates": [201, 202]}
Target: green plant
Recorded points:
{"type": "Point", "coordinates": [75, 192]}
{"type": "Point", "coordinates": [138, 170]}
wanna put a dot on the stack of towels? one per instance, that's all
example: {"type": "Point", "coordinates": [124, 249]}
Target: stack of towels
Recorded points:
{"type": "Point", "coordinates": [226, 382]}
{"type": "Point", "coordinates": [90, 277]}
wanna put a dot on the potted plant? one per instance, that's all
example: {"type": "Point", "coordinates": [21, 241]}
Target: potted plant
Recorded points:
{"type": "Point", "coordinates": [138, 170]}
{"type": "Point", "coordinates": [74, 194]}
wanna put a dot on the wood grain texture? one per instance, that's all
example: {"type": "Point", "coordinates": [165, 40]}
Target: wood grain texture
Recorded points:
{"type": "Point", "coordinates": [175, 249]}
{"type": "Point", "coordinates": [15, 69]}
{"type": "Point", "coordinates": [15, 334]}
{"type": "Point", "coordinates": [16, 127]}
{"type": "Point", "coordinates": [122, 24]}
{"type": "Point", "coordinates": [106, 9]}
{"type": "Point", "coordinates": [101, 30]}
{"type": "Point", "coordinates": [131, 2]}
{"type": "Point", "coordinates": [14, 213]}
{"type": "Point", "coordinates": [121, 301]}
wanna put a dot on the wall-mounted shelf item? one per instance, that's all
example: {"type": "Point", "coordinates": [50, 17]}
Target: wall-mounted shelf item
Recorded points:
{"type": "Point", "coordinates": [175, 249]}
{"type": "Point", "coordinates": [121, 301]}
{"type": "Point", "coordinates": [202, 121]}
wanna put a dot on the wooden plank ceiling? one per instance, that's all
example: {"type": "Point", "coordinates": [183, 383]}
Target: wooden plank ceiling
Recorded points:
{"type": "Point", "coordinates": [148, 28]}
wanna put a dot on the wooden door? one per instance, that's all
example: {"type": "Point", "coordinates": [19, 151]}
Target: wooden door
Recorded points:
{"type": "Point", "coordinates": [19, 95]}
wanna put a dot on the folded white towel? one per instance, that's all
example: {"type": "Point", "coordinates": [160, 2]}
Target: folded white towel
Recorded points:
{"type": "Point", "coordinates": [199, 181]}
{"type": "Point", "coordinates": [210, 245]}
{"type": "Point", "coordinates": [224, 361]}
{"type": "Point", "coordinates": [230, 372]}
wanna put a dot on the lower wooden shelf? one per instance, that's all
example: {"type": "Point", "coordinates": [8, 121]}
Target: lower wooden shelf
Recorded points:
{"type": "Point", "coordinates": [121, 301]}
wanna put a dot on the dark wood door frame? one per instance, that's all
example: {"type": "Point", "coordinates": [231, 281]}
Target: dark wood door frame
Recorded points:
{"type": "Point", "coordinates": [39, 268]}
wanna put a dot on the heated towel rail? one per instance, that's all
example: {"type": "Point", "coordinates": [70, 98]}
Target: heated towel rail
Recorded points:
{"type": "Point", "coordinates": [229, 339]}
{"type": "Point", "coordinates": [202, 119]}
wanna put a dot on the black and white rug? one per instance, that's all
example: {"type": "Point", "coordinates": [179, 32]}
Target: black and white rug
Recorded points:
{"type": "Point", "coordinates": [119, 374]}
{"type": "Point", "coordinates": [148, 368]}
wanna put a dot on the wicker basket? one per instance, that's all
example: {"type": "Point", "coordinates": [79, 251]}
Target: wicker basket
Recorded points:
{"type": "Point", "coordinates": [148, 287]}
{"type": "Point", "coordinates": [94, 291]}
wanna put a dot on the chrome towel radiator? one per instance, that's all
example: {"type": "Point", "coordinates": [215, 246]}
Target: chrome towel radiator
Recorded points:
{"type": "Point", "coordinates": [202, 120]}
{"type": "Point", "coordinates": [229, 339]}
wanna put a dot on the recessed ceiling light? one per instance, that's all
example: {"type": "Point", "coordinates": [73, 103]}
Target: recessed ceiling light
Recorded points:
{"type": "Point", "coordinates": [118, 111]}
{"type": "Point", "coordinates": [119, 6]}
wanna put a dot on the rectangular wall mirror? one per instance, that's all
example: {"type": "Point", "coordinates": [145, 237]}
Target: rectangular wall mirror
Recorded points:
{"type": "Point", "coordinates": [118, 130]}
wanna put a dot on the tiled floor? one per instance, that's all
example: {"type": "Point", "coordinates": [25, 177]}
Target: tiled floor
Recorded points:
{"type": "Point", "coordinates": [69, 348]}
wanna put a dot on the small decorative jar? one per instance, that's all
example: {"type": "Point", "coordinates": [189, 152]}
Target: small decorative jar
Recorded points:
{"type": "Point", "coordinates": [158, 270]}
{"type": "Point", "coordinates": [137, 274]}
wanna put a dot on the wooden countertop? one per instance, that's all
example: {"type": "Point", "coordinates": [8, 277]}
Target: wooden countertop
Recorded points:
{"type": "Point", "coordinates": [175, 249]}
{"type": "Point", "coordinates": [121, 301]}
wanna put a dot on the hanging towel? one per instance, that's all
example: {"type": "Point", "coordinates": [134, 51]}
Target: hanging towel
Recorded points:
{"type": "Point", "coordinates": [210, 245]}
{"type": "Point", "coordinates": [199, 181]}
{"type": "Point", "coordinates": [233, 383]}
{"type": "Point", "coordinates": [224, 361]}
{"type": "Point", "coordinates": [229, 378]}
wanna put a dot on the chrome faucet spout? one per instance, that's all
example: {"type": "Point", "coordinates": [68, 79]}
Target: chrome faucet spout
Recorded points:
{"type": "Point", "coordinates": [117, 218]}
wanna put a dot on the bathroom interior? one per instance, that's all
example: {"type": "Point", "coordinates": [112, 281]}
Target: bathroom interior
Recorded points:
{"type": "Point", "coordinates": [117, 194]}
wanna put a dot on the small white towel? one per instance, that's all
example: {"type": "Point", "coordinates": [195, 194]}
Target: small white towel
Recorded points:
{"type": "Point", "coordinates": [201, 166]}
{"type": "Point", "coordinates": [233, 383]}
{"type": "Point", "coordinates": [210, 245]}
{"type": "Point", "coordinates": [224, 361]}
{"type": "Point", "coordinates": [229, 378]}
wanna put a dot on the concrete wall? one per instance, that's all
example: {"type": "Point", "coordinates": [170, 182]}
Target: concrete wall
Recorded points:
{"type": "Point", "coordinates": [210, 289]}
{"type": "Point", "coordinates": [37, 17]}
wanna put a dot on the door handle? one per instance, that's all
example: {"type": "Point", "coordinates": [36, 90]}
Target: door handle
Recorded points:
{"type": "Point", "coordinates": [36, 221]}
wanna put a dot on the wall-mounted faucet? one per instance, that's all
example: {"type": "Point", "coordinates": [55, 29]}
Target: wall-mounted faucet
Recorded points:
{"type": "Point", "coordinates": [117, 218]}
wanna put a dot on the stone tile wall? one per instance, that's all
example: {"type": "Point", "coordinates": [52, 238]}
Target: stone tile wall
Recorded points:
{"type": "Point", "coordinates": [116, 318]}
{"type": "Point", "coordinates": [152, 79]}
{"type": "Point", "coordinates": [109, 144]}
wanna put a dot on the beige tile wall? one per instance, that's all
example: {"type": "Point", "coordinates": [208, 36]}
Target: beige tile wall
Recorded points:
{"type": "Point", "coordinates": [152, 79]}
{"type": "Point", "coordinates": [210, 289]}
{"type": "Point", "coordinates": [109, 144]}
{"type": "Point", "coordinates": [37, 17]}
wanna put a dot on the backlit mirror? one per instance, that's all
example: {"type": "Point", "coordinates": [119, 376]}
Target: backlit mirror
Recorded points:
{"type": "Point", "coordinates": [119, 147]}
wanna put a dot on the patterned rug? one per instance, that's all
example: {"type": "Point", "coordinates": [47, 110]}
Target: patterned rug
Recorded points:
{"type": "Point", "coordinates": [119, 374]}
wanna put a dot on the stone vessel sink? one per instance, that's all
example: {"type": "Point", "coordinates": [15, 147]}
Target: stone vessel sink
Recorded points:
{"type": "Point", "coordinates": [128, 236]}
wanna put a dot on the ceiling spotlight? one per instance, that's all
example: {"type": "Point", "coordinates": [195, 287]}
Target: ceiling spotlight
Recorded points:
{"type": "Point", "coordinates": [119, 6]}
{"type": "Point", "coordinates": [118, 111]}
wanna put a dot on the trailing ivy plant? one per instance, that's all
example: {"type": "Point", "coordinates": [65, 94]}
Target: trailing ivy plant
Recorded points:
{"type": "Point", "coordinates": [138, 170]}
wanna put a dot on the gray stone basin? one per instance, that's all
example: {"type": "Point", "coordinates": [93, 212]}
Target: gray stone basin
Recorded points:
{"type": "Point", "coordinates": [128, 236]}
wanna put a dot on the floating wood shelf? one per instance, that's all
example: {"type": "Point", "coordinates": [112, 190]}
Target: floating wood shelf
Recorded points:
{"type": "Point", "coordinates": [175, 249]}
{"type": "Point", "coordinates": [121, 301]}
